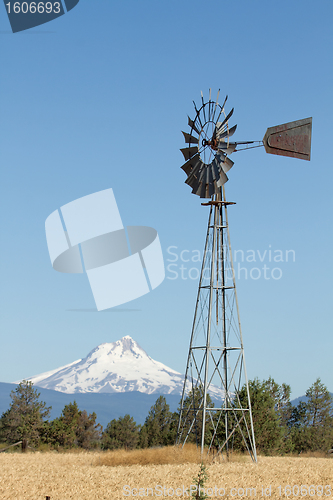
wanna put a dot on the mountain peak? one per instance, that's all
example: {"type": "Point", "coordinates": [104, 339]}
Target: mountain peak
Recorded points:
{"type": "Point", "coordinates": [126, 346]}
{"type": "Point", "coordinates": [120, 366]}
{"type": "Point", "coordinates": [129, 344]}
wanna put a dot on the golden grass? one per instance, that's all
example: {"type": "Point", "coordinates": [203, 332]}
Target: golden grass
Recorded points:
{"type": "Point", "coordinates": [190, 454]}
{"type": "Point", "coordinates": [77, 476]}
{"type": "Point", "coordinates": [152, 456]}
{"type": "Point", "coordinates": [316, 454]}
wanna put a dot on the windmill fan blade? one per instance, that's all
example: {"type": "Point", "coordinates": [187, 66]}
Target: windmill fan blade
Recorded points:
{"type": "Point", "coordinates": [232, 130]}
{"type": "Point", "coordinates": [227, 164]}
{"type": "Point", "coordinates": [222, 180]}
{"type": "Point", "coordinates": [203, 175]}
{"type": "Point", "coordinates": [225, 100]}
{"type": "Point", "coordinates": [219, 158]}
{"type": "Point", "coordinates": [218, 161]}
{"type": "Point", "coordinates": [196, 188]}
{"type": "Point", "coordinates": [224, 162]}
{"type": "Point", "coordinates": [222, 108]}
{"type": "Point", "coordinates": [192, 125]}
{"type": "Point", "coordinates": [206, 180]}
{"type": "Point", "coordinates": [202, 190]}
{"type": "Point", "coordinates": [215, 170]}
{"type": "Point", "coordinates": [228, 117]}
{"type": "Point", "coordinates": [190, 164]}
{"type": "Point", "coordinates": [213, 187]}
{"type": "Point", "coordinates": [189, 139]}
{"type": "Point", "coordinates": [199, 186]}
{"type": "Point", "coordinates": [189, 152]}
{"type": "Point", "coordinates": [194, 183]}
{"type": "Point", "coordinates": [219, 125]}
{"type": "Point", "coordinates": [228, 133]}
{"type": "Point", "coordinates": [210, 188]}
{"type": "Point", "coordinates": [195, 174]}
{"type": "Point", "coordinates": [227, 148]}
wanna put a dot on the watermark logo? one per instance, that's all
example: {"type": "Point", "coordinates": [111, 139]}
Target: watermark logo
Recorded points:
{"type": "Point", "coordinates": [121, 263]}
{"type": "Point", "coordinates": [194, 491]}
{"type": "Point", "coordinates": [28, 14]}
{"type": "Point", "coordinates": [249, 265]}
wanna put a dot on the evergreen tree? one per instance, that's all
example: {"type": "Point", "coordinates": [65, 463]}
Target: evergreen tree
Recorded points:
{"type": "Point", "coordinates": [193, 413]}
{"type": "Point", "coordinates": [74, 428]}
{"type": "Point", "coordinates": [267, 430]}
{"type": "Point", "coordinates": [299, 432]}
{"type": "Point", "coordinates": [200, 483]}
{"type": "Point", "coordinates": [24, 420]}
{"type": "Point", "coordinates": [283, 409]}
{"type": "Point", "coordinates": [174, 420]}
{"type": "Point", "coordinates": [156, 429]}
{"type": "Point", "coordinates": [55, 434]}
{"type": "Point", "coordinates": [143, 437]}
{"type": "Point", "coordinates": [281, 396]}
{"type": "Point", "coordinates": [88, 433]}
{"type": "Point", "coordinates": [121, 433]}
{"type": "Point", "coordinates": [313, 420]}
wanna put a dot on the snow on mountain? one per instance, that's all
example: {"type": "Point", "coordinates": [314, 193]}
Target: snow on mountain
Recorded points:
{"type": "Point", "coordinates": [38, 378]}
{"type": "Point", "coordinates": [120, 366]}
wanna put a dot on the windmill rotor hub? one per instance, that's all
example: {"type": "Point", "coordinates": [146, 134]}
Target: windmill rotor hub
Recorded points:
{"type": "Point", "coordinates": [212, 143]}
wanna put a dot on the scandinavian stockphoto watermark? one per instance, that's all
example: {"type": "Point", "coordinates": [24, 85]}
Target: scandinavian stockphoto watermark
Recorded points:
{"type": "Point", "coordinates": [187, 491]}
{"type": "Point", "coordinates": [122, 263]}
{"type": "Point", "coordinates": [249, 264]}
{"type": "Point", "coordinates": [28, 14]}
{"type": "Point", "coordinates": [262, 491]}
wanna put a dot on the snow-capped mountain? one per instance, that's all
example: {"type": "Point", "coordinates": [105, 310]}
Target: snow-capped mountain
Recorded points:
{"type": "Point", "coordinates": [120, 366]}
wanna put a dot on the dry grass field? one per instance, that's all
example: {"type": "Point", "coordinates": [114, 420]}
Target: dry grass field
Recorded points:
{"type": "Point", "coordinates": [95, 475]}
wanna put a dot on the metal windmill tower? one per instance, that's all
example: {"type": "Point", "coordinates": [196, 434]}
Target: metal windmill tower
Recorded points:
{"type": "Point", "coordinates": [216, 362]}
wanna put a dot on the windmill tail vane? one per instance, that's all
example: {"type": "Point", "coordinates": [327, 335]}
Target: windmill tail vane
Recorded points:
{"type": "Point", "coordinates": [290, 139]}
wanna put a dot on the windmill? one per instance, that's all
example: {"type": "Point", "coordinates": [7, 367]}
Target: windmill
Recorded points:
{"type": "Point", "coordinates": [216, 360]}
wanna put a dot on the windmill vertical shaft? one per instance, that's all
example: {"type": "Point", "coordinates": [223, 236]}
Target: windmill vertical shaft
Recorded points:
{"type": "Point", "coordinates": [215, 364]}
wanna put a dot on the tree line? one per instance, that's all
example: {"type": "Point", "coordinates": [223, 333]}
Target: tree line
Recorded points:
{"type": "Point", "coordinates": [279, 426]}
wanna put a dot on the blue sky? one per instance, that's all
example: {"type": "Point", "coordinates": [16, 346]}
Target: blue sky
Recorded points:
{"type": "Point", "coordinates": [97, 99]}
